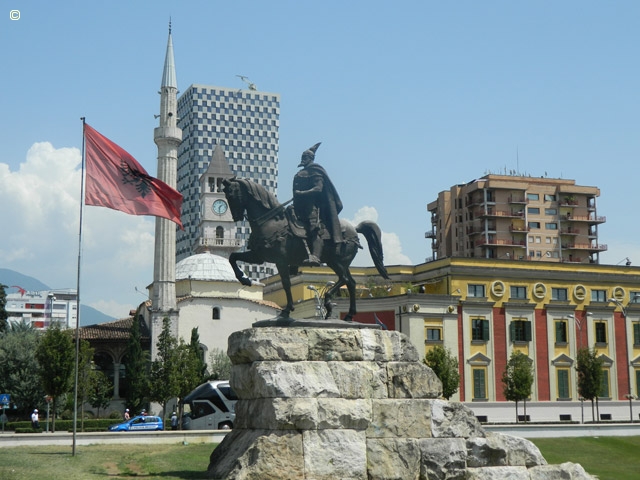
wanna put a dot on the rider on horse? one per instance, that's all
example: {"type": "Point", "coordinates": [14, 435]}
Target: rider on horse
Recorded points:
{"type": "Point", "coordinates": [316, 204]}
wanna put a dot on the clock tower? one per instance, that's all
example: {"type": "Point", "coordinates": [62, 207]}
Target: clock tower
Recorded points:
{"type": "Point", "coordinates": [217, 230]}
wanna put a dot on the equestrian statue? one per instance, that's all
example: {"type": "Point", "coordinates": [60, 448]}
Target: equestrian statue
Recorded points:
{"type": "Point", "coordinates": [309, 233]}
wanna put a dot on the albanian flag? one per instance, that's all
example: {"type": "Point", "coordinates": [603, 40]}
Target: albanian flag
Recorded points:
{"type": "Point", "coordinates": [114, 179]}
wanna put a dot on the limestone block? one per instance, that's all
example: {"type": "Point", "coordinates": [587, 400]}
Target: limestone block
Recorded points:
{"type": "Point", "coordinates": [497, 473]}
{"type": "Point", "coordinates": [387, 346]}
{"type": "Point", "coordinates": [258, 455]}
{"type": "Point", "coordinates": [269, 379]}
{"type": "Point", "coordinates": [400, 418]}
{"type": "Point", "coordinates": [412, 380]}
{"type": "Point", "coordinates": [343, 413]}
{"type": "Point", "coordinates": [393, 459]}
{"type": "Point", "coordinates": [256, 344]}
{"type": "Point", "coordinates": [501, 449]}
{"type": "Point", "coordinates": [443, 458]}
{"type": "Point", "coordinates": [565, 471]}
{"type": "Point", "coordinates": [277, 414]}
{"type": "Point", "coordinates": [334, 454]}
{"type": "Point", "coordinates": [330, 344]}
{"type": "Point", "coordinates": [452, 419]}
{"type": "Point", "coordinates": [359, 379]}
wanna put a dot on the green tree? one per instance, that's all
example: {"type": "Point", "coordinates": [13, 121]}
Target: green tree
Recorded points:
{"type": "Point", "coordinates": [136, 365]}
{"type": "Point", "coordinates": [518, 379]}
{"type": "Point", "coordinates": [198, 355]}
{"type": "Point", "coordinates": [19, 366]}
{"type": "Point", "coordinates": [189, 365]}
{"type": "Point", "coordinates": [445, 366]}
{"type": "Point", "coordinates": [101, 390]}
{"type": "Point", "coordinates": [56, 357]}
{"type": "Point", "coordinates": [3, 308]}
{"type": "Point", "coordinates": [220, 365]}
{"type": "Point", "coordinates": [85, 376]}
{"type": "Point", "coordinates": [589, 368]}
{"type": "Point", "coordinates": [164, 376]}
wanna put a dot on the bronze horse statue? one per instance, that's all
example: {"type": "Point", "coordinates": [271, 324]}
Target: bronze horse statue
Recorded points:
{"type": "Point", "coordinates": [276, 239]}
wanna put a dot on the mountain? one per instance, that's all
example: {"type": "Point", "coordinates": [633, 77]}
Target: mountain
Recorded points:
{"type": "Point", "coordinates": [88, 315]}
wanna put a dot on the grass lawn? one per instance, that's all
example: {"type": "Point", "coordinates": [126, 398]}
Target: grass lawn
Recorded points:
{"type": "Point", "coordinates": [105, 461]}
{"type": "Point", "coordinates": [610, 458]}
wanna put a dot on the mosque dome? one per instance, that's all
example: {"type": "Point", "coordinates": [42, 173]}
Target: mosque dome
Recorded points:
{"type": "Point", "coordinates": [205, 266]}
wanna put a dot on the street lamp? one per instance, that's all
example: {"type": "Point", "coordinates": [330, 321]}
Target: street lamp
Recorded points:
{"type": "Point", "coordinates": [630, 397]}
{"type": "Point", "coordinates": [619, 304]}
{"type": "Point", "coordinates": [52, 299]}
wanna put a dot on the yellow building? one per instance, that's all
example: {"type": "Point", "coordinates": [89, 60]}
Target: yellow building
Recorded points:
{"type": "Point", "coordinates": [483, 309]}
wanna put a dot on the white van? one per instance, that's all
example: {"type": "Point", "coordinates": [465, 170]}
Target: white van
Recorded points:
{"type": "Point", "coordinates": [211, 406]}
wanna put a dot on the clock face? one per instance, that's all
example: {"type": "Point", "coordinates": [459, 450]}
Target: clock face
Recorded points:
{"type": "Point", "coordinates": [219, 207]}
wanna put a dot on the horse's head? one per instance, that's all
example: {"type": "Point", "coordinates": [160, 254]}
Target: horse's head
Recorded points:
{"type": "Point", "coordinates": [232, 189]}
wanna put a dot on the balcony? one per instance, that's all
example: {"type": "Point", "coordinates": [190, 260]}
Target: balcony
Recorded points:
{"type": "Point", "coordinates": [570, 231]}
{"type": "Point", "coordinates": [491, 212]}
{"type": "Point", "coordinates": [519, 228]}
{"type": "Point", "coordinates": [518, 199]}
{"type": "Point", "coordinates": [585, 246]}
{"type": "Point", "coordinates": [220, 242]}
{"type": "Point", "coordinates": [493, 242]}
{"type": "Point", "coordinates": [430, 234]}
{"type": "Point", "coordinates": [583, 218]}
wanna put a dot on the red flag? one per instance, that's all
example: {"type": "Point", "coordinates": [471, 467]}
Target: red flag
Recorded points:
{"type": "Point", "coordinates": [116, 180]}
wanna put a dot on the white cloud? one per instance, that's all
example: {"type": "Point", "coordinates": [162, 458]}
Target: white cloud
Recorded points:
{"type": "Point", "coordinates": [391, 246]}
{"type": "Point", "coordinates": [41, 223]}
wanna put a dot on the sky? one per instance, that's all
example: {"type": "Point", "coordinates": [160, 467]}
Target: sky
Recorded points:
{"type": "Point", "coordinates": [408, 98]}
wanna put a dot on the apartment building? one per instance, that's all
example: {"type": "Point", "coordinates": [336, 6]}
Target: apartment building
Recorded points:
{"type": "Point", "coordinates": [519, 218]}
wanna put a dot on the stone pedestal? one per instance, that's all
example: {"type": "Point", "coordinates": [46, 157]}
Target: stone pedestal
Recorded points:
{"type": "Point", "coordinates": [328, 404]}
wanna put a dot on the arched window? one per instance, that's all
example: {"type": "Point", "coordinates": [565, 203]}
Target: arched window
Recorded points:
{"type": "Point", "coordinates": [216, 313]}
{"type": "Point", "coordinates": [219, 232]}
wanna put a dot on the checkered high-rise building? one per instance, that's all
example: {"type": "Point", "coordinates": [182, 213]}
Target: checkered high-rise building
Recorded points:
{"type": "Point", "coordinates": [245, 123]}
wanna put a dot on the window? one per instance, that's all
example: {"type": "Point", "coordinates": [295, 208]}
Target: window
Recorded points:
{"type": "Point", "coordinates": [547, 240]}
{"type": "Point", "coordinates": [479, 329]}
{"type": "Point", "coordinates": [215, 314]}
{"type": "Point", "coordinates": [598, 295]}
{"type": "Point", "coordinates": [549, 198]}
{"type": "Point", "coordinates": [551, 226]}
{"type": "Point", "coordinates": [634, 297]}
{"type": "Point", "coordinates": [434, 334]}
{"type": "Point", "coordinates": [475, 291]}
{"type": "Point", "coordinates": [479, 384]}
{"type": "Point", "coordinates": [533, 196]}
{"type": "Point", "coordinates": [604, 388]}
{"type": "Point", "coordinates": [561, 331]}
{"type": "Point", "coordinates": [533, 211]}
{"type": "Point", "coordinates": [559, 294]}
{"type": "Point", "coordinates": [518, 292]}
{"type": "Point", "coordinates": [550, 211]}
{"type": "Point", "coordinates": [534, 224]}
{"type": "Point", "coordinates": [636, 334]}
{"type": "Point", "coordinates": [520, 331]}
{"type": "Point", "coordinates": [601, 332]}
{"type": "Point", "coordinates": [538, 239]}
{"type": "Point", "coordinates": [563, 384]}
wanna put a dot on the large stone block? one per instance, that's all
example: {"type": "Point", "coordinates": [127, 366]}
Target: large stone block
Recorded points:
{"type": "Point", "coordinates": [278, 413]}
{"type": "Point", "coordinates": [452, 419]}
{"type": "Point", "coordinates": [412, 380]}
{"type": "Point", "coordinates": [258, 455]}
{"type": "Point", "coordinates": [276, 379]}
{"type": "Point", "coordinates": [335, 454]}
{"type": "Point", "coordinates": [328, 345]}
{"type": "Point", "coordinates": [387, 346]}
{"type": "Point", "coordinates": [498, 473]}
{"type": "Point", "coordinates": [398, 418]}
{"type": "Point", "coordinates": [499, 449]}
{"type": "Point", "coordinates": [564, 471]}
{"type": "Point", "coordinates": [393, 459]}
{"type": "Point", "coordinates": [258, 344]}
{"type": "Point", "coordinates": [344, 413]}
{"type": "Point", "coordinates": [443, 458]}
{"type": "Point", "coordinates": [359, 379]}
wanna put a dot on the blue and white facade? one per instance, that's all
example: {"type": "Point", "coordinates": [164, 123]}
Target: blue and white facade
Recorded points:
{"type": "Point", "coordinates": [245, 123]}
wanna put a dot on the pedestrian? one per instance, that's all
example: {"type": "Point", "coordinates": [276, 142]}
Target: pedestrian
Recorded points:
{"type": "Point", "coordinates": [174, 421]}
{"type": "Point", "coordinates": [35, 423]}
{"type": "Point", "coordinates": [143, 412]}
{"type": "Point", "coordinates": [127, 416]}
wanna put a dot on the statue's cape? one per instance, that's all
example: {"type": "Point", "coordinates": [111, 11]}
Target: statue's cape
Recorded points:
{"type": "Point", "coordinates": [332, 201]}
{"type": "Point", "coordinates": [329, 189]}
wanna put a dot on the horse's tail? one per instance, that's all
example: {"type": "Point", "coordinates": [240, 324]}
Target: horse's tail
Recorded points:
{"type": "Point", "coordinates": [372, 233]}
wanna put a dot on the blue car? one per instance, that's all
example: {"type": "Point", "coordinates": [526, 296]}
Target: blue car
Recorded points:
{"type": "Point", "coordinates": [139, 423]}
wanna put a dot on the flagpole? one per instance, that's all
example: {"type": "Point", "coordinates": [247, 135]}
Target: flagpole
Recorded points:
{"type": "Point", "coordinates": [75, 387]}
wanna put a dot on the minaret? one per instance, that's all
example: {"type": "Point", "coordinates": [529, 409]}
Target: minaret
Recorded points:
{"type": "Point", "coordinates": [167, 137]}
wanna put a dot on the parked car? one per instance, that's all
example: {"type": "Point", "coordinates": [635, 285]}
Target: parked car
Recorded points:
{"type": "Point", "coordinates": [139, 423]}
